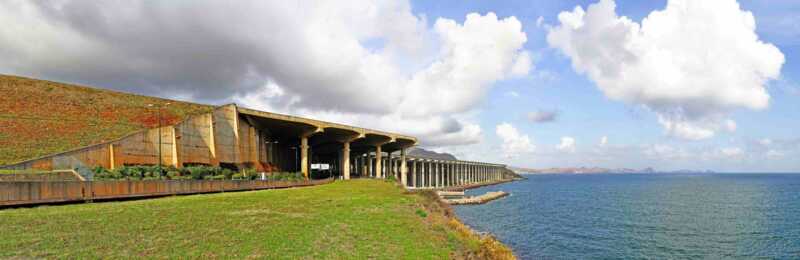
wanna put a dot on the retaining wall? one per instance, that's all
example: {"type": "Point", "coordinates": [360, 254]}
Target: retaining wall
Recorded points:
{"type": "Point", "coordinates": [40, 192]}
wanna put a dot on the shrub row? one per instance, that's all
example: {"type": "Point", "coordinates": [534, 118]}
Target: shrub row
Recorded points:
{"type": "Point", "coordinates": [144, 172]}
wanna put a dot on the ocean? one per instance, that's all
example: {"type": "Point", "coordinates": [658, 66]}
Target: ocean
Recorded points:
{"type": "Point", "coordinates": [630, 216]}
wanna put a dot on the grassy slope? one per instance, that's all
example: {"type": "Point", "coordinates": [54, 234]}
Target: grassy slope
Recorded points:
{"type": "Point", "coordinates": [353, 219]}
{"type": "Point", "coordinates": [40, 117]}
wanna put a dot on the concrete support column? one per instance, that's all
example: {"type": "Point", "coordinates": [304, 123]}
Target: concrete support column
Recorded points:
{"type": "Point", "coordinates": [435, 171]}
{"type": "Point", "coordinates": [363, 161]}
{"type": "Point", "coordinates": [472, 171]}
{"type": "Point", "coordinates": [386, 165]}
{"type": "Point", "coordinates": [453, 173]}
{"type": "Point", "coordinates": [441, 174]}
{"type": "Point", "coordinates": [370, 165]}
{"type": "Point", "coordinates": [429, 173]}
{"type": "Point", "coordinates": [403, 168]}
{"type": "Point", "coordinates": [414, 173]}
{"type": "Point", "coordinates": [378, 160]}
{"type": "Point", "coordinates": [461, 173]}
{"type": "Point", "coordinates": [444, 173]}
{"type": "Point", "coordinates": [458, 173]}
{"type": "Point", "coordinates": [467, 172]}
{"type": "Point", "coordinates": [345, 164]}
{"type": "Point", "coordinates": [447, 173]}
{"type": "Point", "coordinates": [304, 156]}
{"type": "Point", "coordinates": [420, 171]}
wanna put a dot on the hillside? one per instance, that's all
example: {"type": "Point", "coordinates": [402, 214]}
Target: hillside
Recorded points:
{"type": "Point", "coordinates": [419, 152]}
{"type": "Point", "coordinates": [39, 117]}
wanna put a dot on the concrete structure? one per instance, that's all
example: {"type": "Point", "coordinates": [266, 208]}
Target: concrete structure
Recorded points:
{"type": "Point", "coordinates": [426, 173]}
{"type": "Point", "coordinates": [240, 138]}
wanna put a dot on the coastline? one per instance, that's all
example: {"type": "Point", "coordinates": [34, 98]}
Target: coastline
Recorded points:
{"type": "Point", "coordinates": [488, 247]}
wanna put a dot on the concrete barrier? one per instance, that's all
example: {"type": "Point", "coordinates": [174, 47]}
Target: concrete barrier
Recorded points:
{"type": "Point", "coordinates": [15, 193]}
{"type": "Point", "coordinates": [60, 175]}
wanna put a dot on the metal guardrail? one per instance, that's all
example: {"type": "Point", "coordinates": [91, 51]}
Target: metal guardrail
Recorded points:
{"type": "Point", "coordinates": [41, 192]}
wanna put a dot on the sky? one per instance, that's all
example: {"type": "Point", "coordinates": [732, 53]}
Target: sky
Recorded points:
{"type": "Point", "coordinates": [674, 84]}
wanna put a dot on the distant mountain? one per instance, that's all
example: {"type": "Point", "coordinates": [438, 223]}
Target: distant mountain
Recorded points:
{"type": "Point", "coordinates": [419, 152]}
{"type": "Point", "coordinates": [593, 170]}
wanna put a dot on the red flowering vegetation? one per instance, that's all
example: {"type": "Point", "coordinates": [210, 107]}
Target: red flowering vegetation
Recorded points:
{"type": "Point", "coordinates": [40, 117]}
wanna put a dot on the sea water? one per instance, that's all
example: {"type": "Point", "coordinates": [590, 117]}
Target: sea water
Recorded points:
{"type": "Point", "coordinates": [566, 216]}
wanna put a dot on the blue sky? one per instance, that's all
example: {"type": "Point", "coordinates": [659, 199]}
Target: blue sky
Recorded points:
{"type": "Point", "coordinates": [587, 115]}
{"type": "Point", "coordinates": [521, 87]}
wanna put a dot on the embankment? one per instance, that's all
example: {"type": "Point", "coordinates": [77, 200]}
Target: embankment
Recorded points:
{"type": "Point", "coordinates": [480, 246]}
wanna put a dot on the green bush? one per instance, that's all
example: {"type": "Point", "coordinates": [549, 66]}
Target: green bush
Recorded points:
{"type": "Point", "coordinates": [286, 176]}
{"type": "Point", "coordinates": [195, 172]}
{"type": "Point", "coordinates": [227, 173]}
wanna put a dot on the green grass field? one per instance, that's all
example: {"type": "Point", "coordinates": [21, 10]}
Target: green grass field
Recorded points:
{"type": "Point", "coordinates": [358, 219]}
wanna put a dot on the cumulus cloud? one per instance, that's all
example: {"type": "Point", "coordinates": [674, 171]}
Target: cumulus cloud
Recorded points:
{"type": "Point", "coordinates": [692, 63]}
{"type": "Point", "coordinates": [543, 116]}
{"type": "Point", "coordinates": [372, 62]}
{"type": "Point", "coordinates": [567, 144]}
{"type": "Point", "coordinates": [514, 143]}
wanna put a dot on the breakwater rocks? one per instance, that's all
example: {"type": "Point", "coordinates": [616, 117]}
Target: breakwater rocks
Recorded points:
{"type": "Point", "coordinates": [458, 198]}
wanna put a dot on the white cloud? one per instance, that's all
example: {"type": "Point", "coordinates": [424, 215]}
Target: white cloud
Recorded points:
{"type": "Point", "coordinates": [567, 144]}
{"type": "Point", "coordinates": [603, 141]}
{"type": "Point", "coordinates": [514, 143]}
{"type": "Point", "coordinates": [539, 21]}
{"type": "Point", "coordinates": [372, 62]}
{"type": "Point", "coordinates": [691, 63]}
